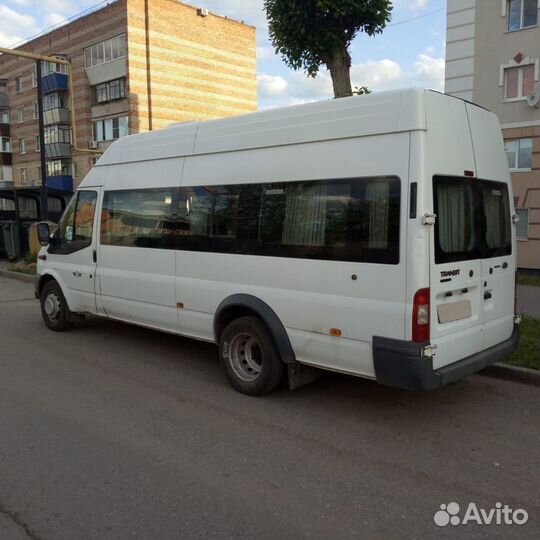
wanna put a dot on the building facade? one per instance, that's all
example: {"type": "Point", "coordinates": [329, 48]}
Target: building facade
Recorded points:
{"type": "Point", "coordinates": [137, 65]}
{"type": "Point", "coordinates": [493, 59]}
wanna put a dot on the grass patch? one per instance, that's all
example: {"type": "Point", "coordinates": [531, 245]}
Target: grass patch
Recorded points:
{"type": "Point", "coordinates": [27, 271]}
{"type": "Point", "coordinates": [533, 281]}
{"type": "Point", "coordinates": [528, 353]}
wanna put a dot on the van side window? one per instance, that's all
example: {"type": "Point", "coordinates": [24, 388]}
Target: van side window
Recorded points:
{"type": "Point", "coordinates": [75, 228]}
{"type": "Point", "coordinates": [342, 220]}
{"type": "Point", "coordinates": [138, 218]}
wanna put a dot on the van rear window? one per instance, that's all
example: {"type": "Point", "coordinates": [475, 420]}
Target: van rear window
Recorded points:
{"type": "Point", "coordinates": [473, 219]}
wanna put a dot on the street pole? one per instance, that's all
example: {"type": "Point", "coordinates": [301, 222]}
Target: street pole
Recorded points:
{"type": "Point", "coordinates": [44, 213]}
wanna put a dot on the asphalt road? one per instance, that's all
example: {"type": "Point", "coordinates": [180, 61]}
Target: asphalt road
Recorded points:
{"type": "Point", "coordinates": [115, 432]}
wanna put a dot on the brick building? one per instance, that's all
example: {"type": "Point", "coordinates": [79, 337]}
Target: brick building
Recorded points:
{"type": "Point", "coordinates": [493, 59]}
{"type": "Point", "coordinates": [137, 65]}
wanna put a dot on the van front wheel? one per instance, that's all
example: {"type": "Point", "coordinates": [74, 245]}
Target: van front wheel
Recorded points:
{"type": "Point", "coordinates": [54, 309]}
{"type": "Point", "coordinates": [249, 357]}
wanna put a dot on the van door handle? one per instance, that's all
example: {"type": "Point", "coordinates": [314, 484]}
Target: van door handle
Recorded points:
{"type": "Point", "coordinates": [487, 295]}
{"type": "Point", "coordinates": [77, 274]}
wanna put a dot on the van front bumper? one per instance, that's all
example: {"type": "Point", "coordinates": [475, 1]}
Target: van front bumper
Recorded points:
{"type": "Point", "coordinates": [403, 364]}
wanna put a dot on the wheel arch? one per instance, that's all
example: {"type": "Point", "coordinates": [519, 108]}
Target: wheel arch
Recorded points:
{"type": "Point", "coordinates": [241, 305]}
{"type": "Point", "coordinates": [54, 276]}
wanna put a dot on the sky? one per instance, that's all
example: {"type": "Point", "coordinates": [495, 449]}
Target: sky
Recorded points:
{"type": "Point", "coordinates": [410, 51]}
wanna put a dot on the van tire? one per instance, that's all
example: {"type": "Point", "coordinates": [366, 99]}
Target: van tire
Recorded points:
{"type": "Point", "coordinates": [54, 308]}
{"type": "Point", "coordinates": [249, 357]}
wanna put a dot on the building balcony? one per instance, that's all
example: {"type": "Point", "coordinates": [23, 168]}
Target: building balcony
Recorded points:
{"type": "Point", "coordinates": [61, 183]}
{"type": "Point", "coordinates": [56, 116]}
{"type": "Point", "coordinates": [54, 82]}
{"type": "Point", "coordinates": [5, 158]}
{"type": "Point", "coordinates": [6, 176]}
{"type": "Point", "coordinates": [4, 130]}
{"type": "Point", "coordinates": [57, 150]}
{"type": "Point", "coordinates": [4, 100]}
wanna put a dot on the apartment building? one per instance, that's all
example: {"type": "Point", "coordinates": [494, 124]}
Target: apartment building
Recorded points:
{"type": "Point", "coordinates": [137, 65]}
{"type": "Point", "coordinates": [493, 59]}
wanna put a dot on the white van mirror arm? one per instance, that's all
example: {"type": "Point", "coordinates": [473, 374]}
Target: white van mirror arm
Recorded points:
{"type": "Point", "coordinates": [429, 219]}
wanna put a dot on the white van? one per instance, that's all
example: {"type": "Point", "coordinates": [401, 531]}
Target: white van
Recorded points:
{"type": "Point", "coordinates": [368, 235]}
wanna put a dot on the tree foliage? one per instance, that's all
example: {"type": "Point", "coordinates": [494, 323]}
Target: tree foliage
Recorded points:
{"type": "Point", "coordinates": [311, 33]}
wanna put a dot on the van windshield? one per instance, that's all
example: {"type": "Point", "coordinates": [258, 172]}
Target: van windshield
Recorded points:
{"type": "Point", "coordinates": [473, 219]}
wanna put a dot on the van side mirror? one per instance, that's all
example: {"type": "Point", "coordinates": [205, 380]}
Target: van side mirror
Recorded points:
{"type": "Point", "coordinates": [44, 233]}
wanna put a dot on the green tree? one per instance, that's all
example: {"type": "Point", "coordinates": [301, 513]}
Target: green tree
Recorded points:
{"type": "Point", "coordinates": [311, 33]}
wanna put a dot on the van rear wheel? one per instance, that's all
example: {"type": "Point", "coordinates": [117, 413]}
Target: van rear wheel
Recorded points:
{"type": "Point", "coordinates": [54, 308]}
{"type": "Point", "coordinates": [249, 357]}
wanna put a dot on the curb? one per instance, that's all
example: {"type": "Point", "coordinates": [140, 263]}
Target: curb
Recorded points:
{"type": "Point", "coordinates": [17, 275]}
{"type": "Point", "coordinates": [513, 373]}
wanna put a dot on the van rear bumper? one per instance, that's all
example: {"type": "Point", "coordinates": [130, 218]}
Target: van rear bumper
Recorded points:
{"type": "Point", "coordinates": [403, 364]}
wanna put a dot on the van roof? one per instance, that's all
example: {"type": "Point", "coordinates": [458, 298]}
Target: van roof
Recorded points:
{"type": "Point", "coordinates": [372, 114]}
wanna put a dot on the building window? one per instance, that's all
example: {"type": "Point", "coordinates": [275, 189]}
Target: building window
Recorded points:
{"type": "Point", "coordinates": [36, 111]}
{"type": "Point", "coordinates": [23, 176]}
{"type": "Point", "coordinates": [53, 67]}
{"type": "Point", "coordinates": [519, 154]}
{"type": "Point", "coordinates": [110, 129]}
{"type": "Point", "coordinates": [18, 85]}
{"type": "Point", "coordinates": [56, 134]}
{"type": "Point", "coordinates": [34, 77]}
{"type": "Point", "coordinates": [59, 167]}
{"type": "Point", "coordinates": [106, 51]}
{"type": "Point", "coordinates": [55, 101]}
{"type": "Point", "coordinates": [518, 82]}
{"type": "Point", "coordinates": [4, 116]}
{"type": "Point", "coordinates": [38, 175]}
{"type": "Point", "coordinates": [109, 91]}
{"type": "Point", "coordinates": [522, 227]}
{"type": "Point", "coordinates": [5, 144]}
{"type": "Point", "coordinates": [20, 115]}
{"type": "Point", "coordinates": [38, 143]}
{"type": "Point", "coordinates": [22, 146]}
{"type": "Point", "coordinates": [522, 14]}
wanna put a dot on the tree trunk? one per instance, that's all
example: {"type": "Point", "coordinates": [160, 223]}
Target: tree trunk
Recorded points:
{"type": "Point", "coordinates": [340, 66]}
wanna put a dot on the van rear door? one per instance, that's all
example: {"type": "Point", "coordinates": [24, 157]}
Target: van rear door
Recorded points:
{"type": "Point", "coordinates": [498, 261]}
{"type": "Point", "coordinates": [456, 313]}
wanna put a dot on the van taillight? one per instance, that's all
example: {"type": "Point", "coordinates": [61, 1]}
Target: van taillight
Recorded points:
{"type": "Point", "coordinates": [420, 316]}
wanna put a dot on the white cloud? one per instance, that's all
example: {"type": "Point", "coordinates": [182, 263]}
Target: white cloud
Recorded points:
{"type": "Point", "coordinates": [265, 53]}
{"type": "Point", "coordinates": [272, 86]}
{"type": "Point", "coordinates": [13, 25]}
{"type": "Point", "coordinates": [413, 5]}
{"type": "Point", "coordinates": [378, 75]}
{"type": "Point", "coordinates": [429, 71]}
{"type": "Point", "coordinates": [53, 19]}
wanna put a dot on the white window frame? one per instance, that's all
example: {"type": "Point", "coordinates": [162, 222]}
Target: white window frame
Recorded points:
{"type": "Point", "coordinates": [513, 64]}
{"type": "Point", "coordinates": [109, 45]}
{"type": "Point", "coordinates": [505, 12]}
{"type": "Point", "coordinates": [35, 114]}
{"type": "Point", "coordinates": [5, 142]}
{"type": "Point", "coordinates": [18, 85]}
{"type": "Point", "coordinates": [24, 176]}
{"type": "Point", "coordinates": [34, 77]}
{"type": "Point", "coordinates": [518, 148]}
{"type": "Point", "coordinates": [37, 141]}
{"type": "Point", "coordinates": [22, 145]}
{"type": "Point", "coordinates": [526, 211]}
{"type": "Point", "coordinates": [20, 114]}
{"type": "Point", "coordinates": [4, 115]}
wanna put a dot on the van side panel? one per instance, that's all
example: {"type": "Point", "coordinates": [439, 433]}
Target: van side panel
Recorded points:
{"type": "Point", "coordinates": [137, 283]}
{"type": "Point", "coordinates": [309, 296]}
